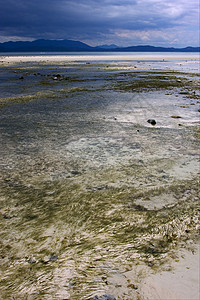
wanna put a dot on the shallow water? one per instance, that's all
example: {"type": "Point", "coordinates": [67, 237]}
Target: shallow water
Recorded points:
{"type": "Point", "coordinates": [89, 189]}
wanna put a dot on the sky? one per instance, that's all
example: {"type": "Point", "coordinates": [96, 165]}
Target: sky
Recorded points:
{"type": "Point", "coordinates": [166, 23]}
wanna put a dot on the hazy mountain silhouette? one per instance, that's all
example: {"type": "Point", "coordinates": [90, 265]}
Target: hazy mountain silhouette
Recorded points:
{"type": "Point", "coordinates": [69, 45]}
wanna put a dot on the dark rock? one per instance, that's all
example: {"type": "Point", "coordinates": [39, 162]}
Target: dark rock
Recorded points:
{"type": "Point", "coordinates": [104, 297]}
{"type": "Point", "coordinates": [21, 78]}
{"type": "Point", "coordinates": [75, 172]}
{"type": "Point", "coordinates": [184, 93]}
{"type": "Point", "coordinates": [53, 258]}
{"type": "Point", "coordinates": [152, 121]}
{"type": "Point", "coordinates": [175, 117]}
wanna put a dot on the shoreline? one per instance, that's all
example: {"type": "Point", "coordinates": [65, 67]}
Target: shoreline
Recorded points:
{"type": "Point", "coordinates": [76, 58]}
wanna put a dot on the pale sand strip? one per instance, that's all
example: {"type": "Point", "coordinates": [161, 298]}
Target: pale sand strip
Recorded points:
{"type": "Point", "coordinates": [182, 283]}
{"type": "Point", "coordinates": [76, 58]}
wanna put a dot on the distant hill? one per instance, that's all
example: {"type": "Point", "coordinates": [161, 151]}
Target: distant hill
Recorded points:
{"type": "Point", "coordinates": [70, 46]}
{"type": "Point", "coordinates": [112, 46]}
{"type": "Point", "coordinates": [148, 48]}
{"type": "Point", "coordinates": [44, 45]}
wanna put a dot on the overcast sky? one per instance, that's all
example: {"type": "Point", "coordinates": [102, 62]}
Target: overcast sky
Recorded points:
{"type": "Point", "coordinates": [96, 22]}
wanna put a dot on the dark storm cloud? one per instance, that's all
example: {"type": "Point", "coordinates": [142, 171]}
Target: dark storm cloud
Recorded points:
{"type": "Point", "coordinates": [92, 20]}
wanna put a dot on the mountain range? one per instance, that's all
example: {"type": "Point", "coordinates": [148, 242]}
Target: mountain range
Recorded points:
{"type": "Point", "coordinates": [43, 45]}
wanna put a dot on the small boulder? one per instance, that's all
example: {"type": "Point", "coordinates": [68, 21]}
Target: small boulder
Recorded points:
{"type": "Point", "coordinates": [152, 121]}
{"type": "Point", "coordinates": [104, 297]}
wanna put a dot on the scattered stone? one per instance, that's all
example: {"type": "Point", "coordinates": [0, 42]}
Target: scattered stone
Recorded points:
{"type": "Point", "coordinates": [53, 258]}
{"type": "Point", "coordinates": [47, 259]}
{"type": "Point", "coordinates": [132, 286]}
{"type": "Point", "coordinates": [184, 93]}
{"type": "Point", "coordinates": [152, 121]}
{"type": "Point", "coordinates": [175, 117]}
{"type": "Point", "coordinates": [75, 172]}
{"type": "Point", "coordinates": [71, 284]}
{"type": "Point", "coordinates": [31, 261]}
{"type": "Point", "coordinates": [21, 78]}
{"type": "Point", "coordinates": [104, 297]}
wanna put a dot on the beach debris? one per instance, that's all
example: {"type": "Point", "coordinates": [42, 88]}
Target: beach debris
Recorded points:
{"type": "Point", "coordinates": [176, 117]}
{"type": "Point", "coordinates": [151, 121]}
{"type": "Point", "coordinates": [104, 297]}
{"type": "Point", "coordinates": [47, 259]}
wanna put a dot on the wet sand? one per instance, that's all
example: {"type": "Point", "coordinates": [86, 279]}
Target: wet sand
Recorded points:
{"type": "Point", "coordinates": [96, 200]}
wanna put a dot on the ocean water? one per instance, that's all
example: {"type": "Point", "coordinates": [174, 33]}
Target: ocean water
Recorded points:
{"type": "Point", "coordinates": [91, 192]}
{"type": "Point", "coordinates": [145, 54]}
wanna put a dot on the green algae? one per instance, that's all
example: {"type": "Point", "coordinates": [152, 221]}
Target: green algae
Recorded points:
{"type": "Point", "coordinates": [156, 82]}
{"type": "Point", "coordinates": [96, 213]}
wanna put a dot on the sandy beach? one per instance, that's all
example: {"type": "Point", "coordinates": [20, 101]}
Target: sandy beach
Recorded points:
{"type": "Point", "coordinates": [95, 198]}
{"type": "Point", "coordinates": [187, 58]}
{"type": "Point", "coordinates": [182, 282]}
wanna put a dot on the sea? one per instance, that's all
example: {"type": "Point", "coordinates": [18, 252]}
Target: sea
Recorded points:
{"type": "Point", "coordinates": [110, 53]}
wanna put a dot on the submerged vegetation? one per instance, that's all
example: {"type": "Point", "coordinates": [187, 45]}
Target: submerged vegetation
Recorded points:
{"type": "Point", "coordinates": [89, 189]}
